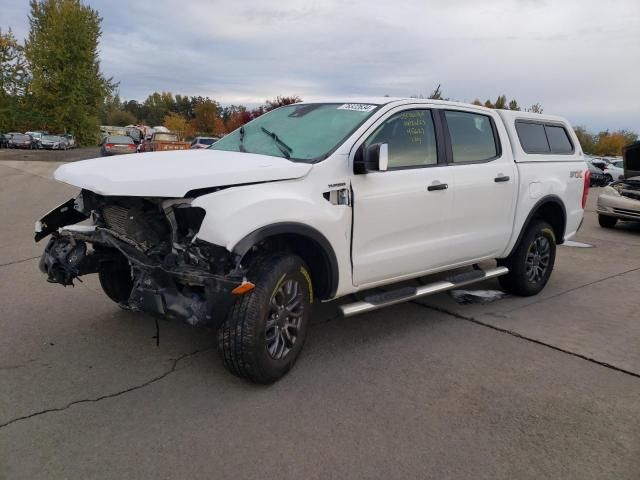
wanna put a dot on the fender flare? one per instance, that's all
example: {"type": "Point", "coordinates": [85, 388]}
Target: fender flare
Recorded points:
{"type": "Point", "coordinates": [329, 256]}
{"type": "Point", "coordinates": [553, 199]}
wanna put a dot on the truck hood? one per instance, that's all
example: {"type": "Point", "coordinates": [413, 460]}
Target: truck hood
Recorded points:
{"type": "Point", "coordinates": [173, 174]}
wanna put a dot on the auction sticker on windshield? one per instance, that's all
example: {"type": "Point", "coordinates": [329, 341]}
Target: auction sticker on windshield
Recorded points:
{"type": "Point", "coordinates": [358, 107]}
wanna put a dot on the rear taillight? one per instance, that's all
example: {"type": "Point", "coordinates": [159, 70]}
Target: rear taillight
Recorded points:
{"type": "Point", "coordinates": [108, 145]}
{"type": "Point", "coordinates": [585, 188]}
{"type": "Point", "coordinates": [132, 146]}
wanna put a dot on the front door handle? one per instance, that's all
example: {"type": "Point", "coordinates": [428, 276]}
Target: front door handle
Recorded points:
{"type": "Point", "coordinates": [438, 186]}
{"type": "Point", "coordinates": [501, 178]}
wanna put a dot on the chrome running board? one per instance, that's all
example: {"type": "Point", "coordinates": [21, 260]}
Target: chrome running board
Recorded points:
{"type": "Point", "coordinates": [404, 294]}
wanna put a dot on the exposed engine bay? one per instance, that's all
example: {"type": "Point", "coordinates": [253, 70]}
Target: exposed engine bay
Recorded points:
{"type": "Point", "coordinates": [629, 188]}
{"type": "Point", "coordinates": [146, 253]}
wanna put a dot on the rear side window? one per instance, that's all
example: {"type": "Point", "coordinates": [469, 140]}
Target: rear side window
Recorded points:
{"type": "Point", "coordinates": [472, 137]}
{"type": "Point", "coordinates": [543, 138]}
{"type": "Point", "coordinates": [558, 139]}
{"type": "Point", "coordinates": [532, 137]}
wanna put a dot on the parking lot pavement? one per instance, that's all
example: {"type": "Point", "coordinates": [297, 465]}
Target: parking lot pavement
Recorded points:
{"type": "Point", "coordinates": [544, 387]}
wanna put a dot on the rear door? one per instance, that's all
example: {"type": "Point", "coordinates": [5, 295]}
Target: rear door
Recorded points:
{"type": "Point", "coordinates": [485, 180]}
{"type": "Point", "coordinates": [401, 216]}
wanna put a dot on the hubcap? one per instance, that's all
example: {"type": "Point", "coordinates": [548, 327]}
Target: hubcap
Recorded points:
{"type": "Point", "coordinates": [283, 323]}
{"type": "Point", "coordinates": [538, 259]}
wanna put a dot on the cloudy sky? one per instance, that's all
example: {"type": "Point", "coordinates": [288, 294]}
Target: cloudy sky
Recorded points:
{"type": "Point", "coordinates": [578, 58]}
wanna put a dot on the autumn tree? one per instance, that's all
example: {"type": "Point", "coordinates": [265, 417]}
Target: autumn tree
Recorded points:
{"type": "Point", "coordinates": [280, 101]}
{"type": "Point", "coordinates": [207, 120]}
{"type": "Point", "coordinates": [612, 143]}
{"type": "Point", "coordinates": [176, 123]}
{"type": "Point", "coordinates": [237, 119]}
{"type": "Point", "coordinates": [67, 85]}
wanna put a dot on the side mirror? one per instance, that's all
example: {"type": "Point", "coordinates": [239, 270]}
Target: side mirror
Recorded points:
{"type": "Point", "coordinates": [374, 158]}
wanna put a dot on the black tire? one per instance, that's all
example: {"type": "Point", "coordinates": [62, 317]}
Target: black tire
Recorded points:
{"type": "Point", "coordinates": [531, 263]}
{"type": "Point", "coordinates": [115, 279]}
{"type": "Point", "coordinates": [252, 328]}
{"type": "Point", "coordinates": [607, 222]}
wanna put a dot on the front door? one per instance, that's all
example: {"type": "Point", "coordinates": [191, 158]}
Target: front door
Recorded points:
{"type": "Point", "coordinates": [401, 216]}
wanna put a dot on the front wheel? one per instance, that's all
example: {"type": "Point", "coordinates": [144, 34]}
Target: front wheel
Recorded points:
{"type": "Point", "coordinates": [531, 263]}
{"type": "Point", "coordinates": [115, 279]}
{"type": "Point", "coordinates": [606, 221]}
{"type": "Point", "coordinates": [265, 329]}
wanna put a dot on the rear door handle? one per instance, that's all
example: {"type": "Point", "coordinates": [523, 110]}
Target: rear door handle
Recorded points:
{"type": "Point", "coordinates": [438, 186]}
{"type": "Point", "coordinates": [501, 178]}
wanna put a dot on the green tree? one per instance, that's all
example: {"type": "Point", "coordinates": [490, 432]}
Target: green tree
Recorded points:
{"type": "Point", "coordinates": [586, 139]}
{"type": "Point", "coordinates": [67, 85]}
{"type": "Point", "coordinates": [513, 105]}
{"type": "Point", "coordinates": [120, 118]}
{"type": "Point", "coordinates": [501, 103]}
{"type": "Point", "coordinates": [14, 82]}
{"type": "Point", "coordinates": [13, 66]}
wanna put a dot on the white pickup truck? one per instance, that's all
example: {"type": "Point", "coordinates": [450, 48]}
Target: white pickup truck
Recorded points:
{"type": "Point", "coordinates": [316, 201]}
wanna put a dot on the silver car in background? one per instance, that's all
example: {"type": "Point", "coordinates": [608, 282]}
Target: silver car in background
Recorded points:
{"type": "Point", "coordinates": [621, 200]}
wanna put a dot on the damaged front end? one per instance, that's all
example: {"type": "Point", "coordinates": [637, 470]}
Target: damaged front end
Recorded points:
{"type": "Point", "coordinates": [146, 253]}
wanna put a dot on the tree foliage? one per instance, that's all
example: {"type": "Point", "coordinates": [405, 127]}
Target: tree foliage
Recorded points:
{"type": "Point", "coordinates": [13, 66]}
{"type": "Point", "coordinates": [177, 124]}
{"type": "Point", "coordinates": [604, 143]}
{"type": "Point", "coordinates": [62, 49]}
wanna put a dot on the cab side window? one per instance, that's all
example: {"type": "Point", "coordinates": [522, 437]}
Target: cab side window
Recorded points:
{"type": "Point", "coordinates": [472, 138]}
{"type": "Point", "coordinates": [411, 138]}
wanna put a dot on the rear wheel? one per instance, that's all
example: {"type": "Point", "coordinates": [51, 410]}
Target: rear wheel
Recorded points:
{"type": "Point", "coordinates": [607, 222]}
{"type": "Point", "coordinates": [265, 329]}
{"type": "Point", "coordinates": [531, 263]}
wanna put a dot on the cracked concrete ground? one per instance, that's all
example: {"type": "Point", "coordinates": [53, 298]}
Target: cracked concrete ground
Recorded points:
{"type": "Point", "coordinates": [543, 387]}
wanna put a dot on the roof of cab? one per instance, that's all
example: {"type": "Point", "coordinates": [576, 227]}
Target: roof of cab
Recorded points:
{"type": "Point", "coordinates": [397, 100]}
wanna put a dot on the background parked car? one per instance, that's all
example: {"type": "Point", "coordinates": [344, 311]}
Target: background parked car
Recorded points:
{"type": "Point", "coordinates": [614, 171]}
{"type": "Point", "coordinates": [203, 142]}
{"type": "Point", "coordinates": [4, 140]}
{"type": "Point", "coordinates": [597, 178]}
{"type": "Point", "coordinates": [71, 140]}
{"type": "Point", "coordinates": [21, 140]}
{"type": "Point", "coordinates": [54, 142]}
{"type": "Point", "coordinates": [117, 145]}
{"type": "Point", "coordinates": [37, 136]}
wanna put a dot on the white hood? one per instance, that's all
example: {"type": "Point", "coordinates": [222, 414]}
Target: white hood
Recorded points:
{"type": "Point", "coordinates": [174, 173]}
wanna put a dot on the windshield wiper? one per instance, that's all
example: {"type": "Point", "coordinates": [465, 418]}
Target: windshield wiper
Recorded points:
{"type": "Point", "coordinates": [241, 146]}
{"type": "Point", "coordinates": [283, 147]}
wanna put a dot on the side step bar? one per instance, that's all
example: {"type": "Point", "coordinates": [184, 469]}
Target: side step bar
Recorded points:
{"type": "Point", "coordinates": [384, 299]}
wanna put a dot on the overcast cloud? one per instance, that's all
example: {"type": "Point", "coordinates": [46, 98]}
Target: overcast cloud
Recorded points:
{"type": "Point", "coordinates": [578, 58]}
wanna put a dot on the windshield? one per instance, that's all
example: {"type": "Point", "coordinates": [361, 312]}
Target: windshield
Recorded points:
{"type": "Point", "coordinates": [165, 137]}
{"type": "Point", "coordinates": [119, 139]}
{"type": "Point", "coordinates": [302, 132]}
{"type": "Point", "coordinates": [48, 138]}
